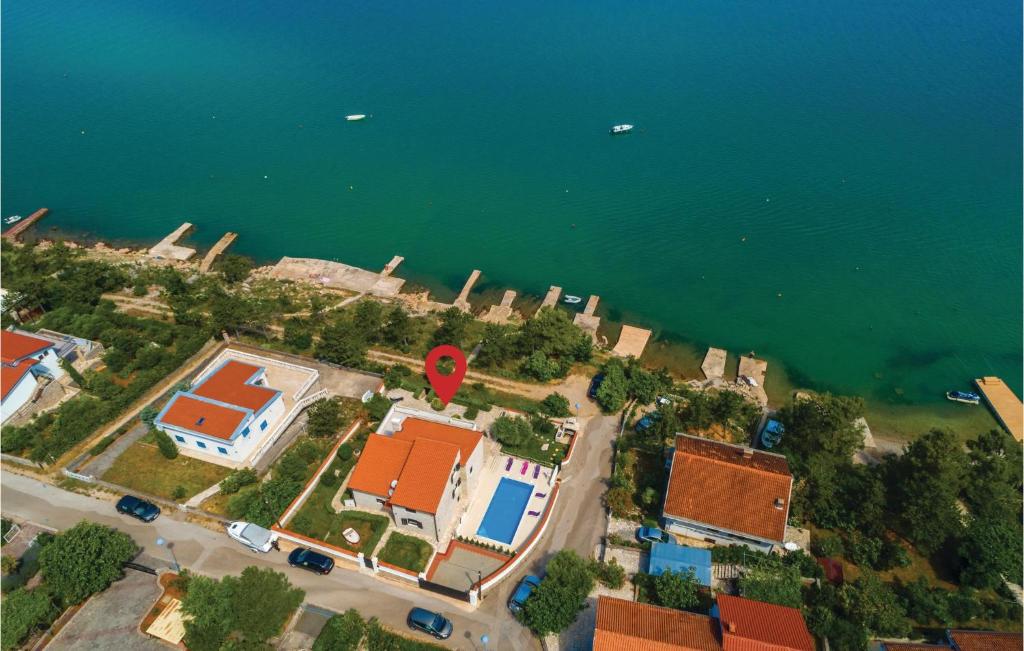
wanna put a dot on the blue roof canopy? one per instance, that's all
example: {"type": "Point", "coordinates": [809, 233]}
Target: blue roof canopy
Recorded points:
{"type": "Point", "coordinates": [681, 559]}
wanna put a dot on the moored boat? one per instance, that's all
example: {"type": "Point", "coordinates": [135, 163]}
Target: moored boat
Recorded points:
{"type": "Point", "coordinates": [572, 300]}
{"type": "Point", "coordinates": [622, 128]}
{"type": "Point", "coordinates": [355, 117]}
{"type": "Point", "coordinates": [966, 397]}
{"type": "Point", "coordinates": [12, 219]}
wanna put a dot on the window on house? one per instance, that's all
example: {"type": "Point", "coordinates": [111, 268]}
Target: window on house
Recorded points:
{"type": "Point", "coordinates": [411, 510]}
{"type": "Point", "coordinates": [470, 470]}
{"type": "Point", "coordinates": [245, 432]}
{"type": "Point", "coordinates": [263, 425]}
{"type": "Point", "coordinates": [179, 439]}
{"type": "Point", "coordinates": [453, 493]}
{"type": "Point", "coordinates": [201, 444]}
{"type": "Point", "coordinates": [380, 501]}
{"type": "Point", "coordinates": [458, 483]}
{"type": "Point", "coordinates": [412, 523]}
{"type": "Point", "coordinates": [222, 450]}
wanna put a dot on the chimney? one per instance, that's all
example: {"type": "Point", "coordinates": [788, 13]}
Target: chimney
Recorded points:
{"type": "Point", "coordinates": [779, 502]}
{"type": "Point", "coordinates": [730, 626]}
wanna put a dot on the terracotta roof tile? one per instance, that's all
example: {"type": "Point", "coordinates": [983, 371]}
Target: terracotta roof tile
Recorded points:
{"type": "Point", "coordinates": [15, 345]}
{"type": "Point", "coordinates": [379, 464]}
{"type": "Point", "coordinates": [194, 415]}
{"type": "Point", "coordinates": [750, 625]}
{"type": "Point", "coordinates": [628, 626]}
{"type": "Point", "coordinates": [10, 375]}
{"type": "Point", "coordinates": [912, 646]}
{"type": "Point", "coordinates": [465, 439]}
{"type": "Point", "coordinates": [729, 488]}
{"type": "Point", "coordinates": [986, 640]}
{"type": "Point", "coordinates": [424, 478]}
{"type": "Point", "coordinates": [229, 384]}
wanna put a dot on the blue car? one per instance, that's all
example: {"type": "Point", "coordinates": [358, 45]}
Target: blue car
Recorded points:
{"type": "Point", "coordinates": [138, 508]}
{"type": "Point", "coordinates": [310, 560]}
{"type": "Point", "coordinates": [647, 421]}
{"type": "Point", "coordinates": [652, 534]}
{"type": "Point", "coordinates": [595, 384]}
{"type": "Point", "coordinates": [522, 593]}
{"type": "Point", "coordinates": [431, 623]}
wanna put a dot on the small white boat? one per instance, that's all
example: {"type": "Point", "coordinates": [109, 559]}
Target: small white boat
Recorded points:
{"type": "Point", "coordinates": [622, 128]}
{"type": "Point", "coordinates": [572, 300]}
{"type": "Point", "coordinates": [351, 535]}
{"type": "Point", "coordinates": [356, 117]}
{"type": "Point", "coordinates": [12, 219]}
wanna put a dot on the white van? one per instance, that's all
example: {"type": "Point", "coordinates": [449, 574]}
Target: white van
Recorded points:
{"type": "Point", "coordinates": [253, 536]}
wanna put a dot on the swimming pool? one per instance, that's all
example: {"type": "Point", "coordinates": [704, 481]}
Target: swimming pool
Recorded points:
{"type": "Point", "coordinates": [505, 510]}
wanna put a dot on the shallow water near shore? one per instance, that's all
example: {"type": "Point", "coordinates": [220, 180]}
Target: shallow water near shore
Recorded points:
{"type": "Point", "coordinates": [834, 187]}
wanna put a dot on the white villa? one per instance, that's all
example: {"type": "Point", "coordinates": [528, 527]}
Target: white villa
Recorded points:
{"type": "Point", "coordinates": [234, 409]}
{"type": "Point", "coordinates": [421, 468]}
{"type": "Point", "coordinates": [27, 362]}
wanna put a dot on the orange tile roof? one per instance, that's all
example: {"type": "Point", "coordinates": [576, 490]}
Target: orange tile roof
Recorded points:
{"type": "Point", "coordinates": [15, 345]}
{"type": "Point", "coordinates": [986, 640]}
{"type": "Point", "coordinates": [379, 464]}
{"type": "Point", "coordinates": [750, 625]}
{"type": "Point", "coordinates": [414, 428]}
{"type": "Point", "coordinates": [218, 421]}
{"type": "Point", "coordinates": [729, 487]}
{"type": "Point", "coordinates": [10, 375]}
{"type": "Point", "coordinates": [629, 626]}
{"type": "Point", "coordinates": [912, 646]}
{"type": "Point", "coordinates": [424, 478]}
{"type": "Point", "coordinates": [228, 384]}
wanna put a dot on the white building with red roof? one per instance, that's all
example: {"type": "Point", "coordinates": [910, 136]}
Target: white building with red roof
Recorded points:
{"type": "Point", "coordinates": [231, 411]}
{"type": "Point", "coordinates": [420, 468]}
{"type": "Point", "coordinates": [25, 360]}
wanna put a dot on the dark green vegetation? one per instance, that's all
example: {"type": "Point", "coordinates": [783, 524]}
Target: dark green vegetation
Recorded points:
{"type": "Point", "coordinates": [237, 612]}
{"type": "Point", "coordinates": [349, 632]}
{"type": "Point", "coordinates": [629, 381]}
{"type": "Point", "coordinates": [542, 348]}
{"type": "Point", "coordinates": [264, 502]}
{"type": "Point", "coordinates": [526, 438]}
{"type": "Point", "coordinates": [75, 564]}
{"type": "Point", "coordinates": [562, 593]}
{"type": "Point", "coordinates": [638, 478]}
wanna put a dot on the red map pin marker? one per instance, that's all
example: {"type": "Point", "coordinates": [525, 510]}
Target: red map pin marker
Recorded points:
{"type": "Point", "coordinates": [445, 386]}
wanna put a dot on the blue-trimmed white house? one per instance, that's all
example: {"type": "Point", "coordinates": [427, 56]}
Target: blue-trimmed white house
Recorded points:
{"type": "Point", "coordinates": [227, 414]}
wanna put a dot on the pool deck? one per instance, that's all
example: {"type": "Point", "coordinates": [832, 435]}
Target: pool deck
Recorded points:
{"type": "Point", "coordinates": [493, 473]}
{"type": "Point", "coordinates": [1004, 403]}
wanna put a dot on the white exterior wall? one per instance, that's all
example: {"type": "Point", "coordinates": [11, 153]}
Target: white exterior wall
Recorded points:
{"type": "Point", "coordinates": [367, 500]}
{"type": "Point", "coordinates": [237, 451]}
{"type": "Point", "coordinates": [50, 362]}
{"type": "Point", "coordinates": [706, 532]}
{"type": "Point", "coordinates": [19, 395]}
{"type": "Point", "coordinates": [473, 467]}
{"type": "Point", "coordinates": [426, 519]}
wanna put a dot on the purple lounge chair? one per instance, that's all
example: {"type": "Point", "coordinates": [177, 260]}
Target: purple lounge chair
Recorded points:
{"type": "Point", "coordinates": [536, 471]}
{"type": "Point", "coordinates": [540, 495]}
{"type": "Point", "coordinates": [534, 513]}
{"type": "Point", "coordinates": [508, 466]}
{"type": "Point", "coordinates": [526, 464]}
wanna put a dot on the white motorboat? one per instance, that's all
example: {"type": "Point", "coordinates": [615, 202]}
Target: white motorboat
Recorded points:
{"type": "Point", "coordinates": [355, 117]}
{"type": "Point", "coordinates": [12, 219]}
{"type": "Point", "coordinates": [622, 128]}
{"type": "Point", "coordinates": [572, 300]}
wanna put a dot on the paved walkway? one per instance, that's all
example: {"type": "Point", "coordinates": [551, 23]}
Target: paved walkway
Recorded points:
{"type": "Point", "coordinates": [101, 463]}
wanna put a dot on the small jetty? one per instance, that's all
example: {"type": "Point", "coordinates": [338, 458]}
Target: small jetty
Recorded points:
{"type": "Point", "coordinates": [390, 267]}
{"type": "Point", "coordinates": [632, 341]}
{"type": "Point", "coordinates": [714, 364]}
{"type": "Point", "coordinates": [1004, 403]}
{"type": "Point", "coordinates": [501, 313]}
{"type": "Point", "coordinates": [218, 248]}
{"type": "Point", "coordinates": [337, 275]}
{"type": "Point", "coordinates": [552, 297]}
{"type": "Point", "coordinates": [586, 320]}
{"type": "Point", "coordinates": [167, 249]}
{"type": "Point", "coordinates": [14, 232]}
{"type": "Point", "coordinates": [755, 369]}
{"type": "Point", "coordinates": [462, 302]}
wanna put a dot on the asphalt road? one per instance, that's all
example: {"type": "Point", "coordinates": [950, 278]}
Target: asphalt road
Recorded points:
{"type": "Point", "coordinates": [579, 523]}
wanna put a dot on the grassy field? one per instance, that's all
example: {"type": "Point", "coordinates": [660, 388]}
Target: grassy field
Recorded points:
{"type": "Point", "coordinates": [317, 520]}
{"type": "Point", "coordinates": [406, 551]}
{"type": "Point", "coordinates": [142, 468]}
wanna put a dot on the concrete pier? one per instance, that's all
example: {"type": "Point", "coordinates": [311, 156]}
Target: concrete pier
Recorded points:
{"type": "Point", "coordinates": [501, 313]}
{"type": "Point", "coordinates": [552, 296]}
{"type": "Point", "coordinates": [462, 302]}
{"type": "Point", "coordinates": [14, 232]}
{"type": "Point", "coordinates": [337, 275]}
{"type": "Point", "coordinates": [390, 267]}
{"type": "Point", "coordinates": [755, 368]}
{"type": "Point", "coordinates": [587, 321]}
{"type": "Point", "coordinates": [714, 364]}
{"type": "Point", "coordinates": [166, 249]}
{"type": "Point", "coordinates": [632, 341]}
{"type": "Point", "coordinates": [1005, 405]}
{"type": "Point", "coordinates": [218, 248]}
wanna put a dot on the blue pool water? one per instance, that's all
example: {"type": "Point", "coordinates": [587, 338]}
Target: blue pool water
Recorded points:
{"type": "Point", "coordinates": [505, 510]}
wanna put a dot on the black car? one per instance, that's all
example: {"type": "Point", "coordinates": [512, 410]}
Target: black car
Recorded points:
{"type": "Point", "coordinates": [138, 508]}
{"type": "Point", "coordinates": [310, 560]}
{"type": "Point", "coordinates": [431, 623]}
{"type": "Point", "coordinates": [595, 384]}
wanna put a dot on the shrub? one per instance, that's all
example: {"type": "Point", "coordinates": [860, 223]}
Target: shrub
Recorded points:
{"type": "Point", "coordinates": [344, 452]}
{"type": "Point", "coordinates": [341, 633]}
{"type": "Point", "coordinates": [620, 502]}
{"type": "Point", "coordinates": [395, 376]}
{"type": "Point", "coordinates": [103, 444]}
{"type": "Point", "coordinates": [8, 564]}
{"type": "Point", "coordinates": [555, 405]}
{"type": "Point", "coordinates": [436, 404]}
{"type": "Point", "coordinates": [237, 479]}
{"type": "Point", "coordinates": [323, 418]}
{"type": "Point", "coordinates": [178, 492]}
{"type": "Point", "coordinates": [24, 611]}
{"type": "Point", "coordinates": [610, 574]}
{"type": "Point", "coordinates": [329, 479]}
{"type": "Point", "coordinates": [677, 589]}
{"type": "Point", "coordinates": [471, 413]}
{"type": "Point", "coordinates": [555, 604]}
{"type": "Point", "coordinates": [167, 446]}
{"type": "Point", "coordinates": [827, 546]}
{"type": "Point", "coordinates": [378, 406]}
{"type": "Point", "coordinates": [511, 430]}
{"type": "Point", "coordinates": [543, 427]}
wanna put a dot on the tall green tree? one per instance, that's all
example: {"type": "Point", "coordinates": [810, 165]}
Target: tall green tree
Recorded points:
{"type": "Point", "coordinates": [511, 430]}
{"type": "Point", "coordinates": [990, 551]}
{"type": "Point", "coordinates": [678, 590]}
{"type": "Point", "coordinates": [774, 583]}
{"type": "Point", "coordinates": [323, 418]}
{"type": "Point", "coordinates": [342, 343]}
{"type": "Point", "coordinates": [23, 612]}
{"type": "Point", "coordinates": [819, 425]}
{"type": "Point", "coordinates": [368, 319]}
{"type": "Point", "coordinates": [452, 328]}
{"type": "Point", "coordinates": [614, 389]}
{"type": "Point", "coordinates": [399, 330]}
{"type": "Point", "coordinates": [84, 560]}
{"type": "Point", "coordinates": [562, 593]}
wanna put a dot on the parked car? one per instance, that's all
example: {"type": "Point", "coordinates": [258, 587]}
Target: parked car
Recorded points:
{"type": "Point", "coordinates": [595, 384]}
{"type": "Point", "coordinates": [310, 560]}
{"type": "Point", "coordinates": [647, 421]}
{"type": "Point", "coordinates": [253, 536]}
{"type": "Point", "coordinates": [431, 623]}
{"type": "Point", "coordinates": [138, 508]}
{"type": "Point", "coordinates": [652, 534]}
{"type": "Point", "coordinates": [522, 592]}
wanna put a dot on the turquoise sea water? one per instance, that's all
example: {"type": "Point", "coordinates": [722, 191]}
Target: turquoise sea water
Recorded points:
{"type": "Point", "coordinates": [835, 185]}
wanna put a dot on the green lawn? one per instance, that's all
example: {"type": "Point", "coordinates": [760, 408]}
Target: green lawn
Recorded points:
{"type": "Point", "coordinates": [316, 520]}
{"type": "Point", "coordinates": [532, 450]}
{"type": "Point", "coordinates": [142, 468]}
{"type": "Point", "coordinates": [406, 551]}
